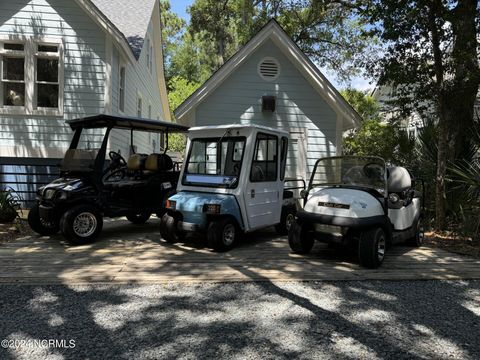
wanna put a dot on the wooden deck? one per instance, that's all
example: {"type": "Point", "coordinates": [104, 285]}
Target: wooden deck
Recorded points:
{"type": "Point", "coordinates": [135, 254]}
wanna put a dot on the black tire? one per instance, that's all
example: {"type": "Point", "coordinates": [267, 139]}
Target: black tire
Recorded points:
{"type": "Point", "coordinates": [286, 221]}
{"type": "Point", "coordinates": [222, 234]}
{"type": "Point", "coordinates": [300, 239]}
{"type": "Point", "coordinates": [168, 229]}
{"type": "Point", "coordinates": [81, 224]}
{"type": "Point", "coordinates": [372, 247]}
{"type": "Point", "coordinates": [417, 239]}
{"type": "Point", "coordinates": [40, 226]}
{"type": "Point", "coordinates": [138, 219]}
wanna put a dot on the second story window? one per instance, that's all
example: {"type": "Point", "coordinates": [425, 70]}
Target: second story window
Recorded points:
{"type": "Point", "coordinates": [121, 90]}
{"type": "Point", "coordinates": [13, 75]}
{"type": "Point", "coordinates": [47, 77]}
{"type": "Point", "coordinates": [31, 76]}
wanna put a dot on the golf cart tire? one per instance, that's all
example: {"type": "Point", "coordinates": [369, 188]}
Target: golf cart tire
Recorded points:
{"type": "Point", "coordinates": [168, 229]}
{"type": "Point", "coordinates": [299, 238]}
{"type": "Point", "coordinates": [219, 234]}
{"type": "Point", "coordinates": [288, 215]}
{"type": "Point", "coordinates": [138, 219]}
{"type": "Point", "coordinates": [368, 246]}
{"type": "Point", "coordinates": [38, 226]}
{"type": "Point", "coordinates": [94, 226]}
{"type": "Point", "coordinates": [417, 239]}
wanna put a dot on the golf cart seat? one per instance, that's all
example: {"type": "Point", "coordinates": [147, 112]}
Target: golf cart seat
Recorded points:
{"type": "Point", "coordinates": [399, 179]}
{"type": "Point", "coordinates": [158, 163]}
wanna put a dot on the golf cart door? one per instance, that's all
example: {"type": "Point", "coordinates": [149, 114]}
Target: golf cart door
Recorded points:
{"type": "Point", "coordinates": [264, 190]}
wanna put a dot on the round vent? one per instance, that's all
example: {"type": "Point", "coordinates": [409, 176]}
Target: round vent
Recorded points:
{"type": "Point", "coordinates": [269, 68]}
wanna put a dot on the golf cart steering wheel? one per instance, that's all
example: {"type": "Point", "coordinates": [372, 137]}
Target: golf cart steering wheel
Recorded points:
{"type": "Point", "coordinates": [117, 160]}
{"type": "Point", "coordinates": [373, 170]}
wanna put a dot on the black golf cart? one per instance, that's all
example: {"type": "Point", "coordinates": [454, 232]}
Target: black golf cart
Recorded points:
{"type": "Point", "coordinates": [91, 186]}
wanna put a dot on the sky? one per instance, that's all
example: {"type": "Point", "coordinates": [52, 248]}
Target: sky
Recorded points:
{"type": "Point", "coordinates": [180, 8]}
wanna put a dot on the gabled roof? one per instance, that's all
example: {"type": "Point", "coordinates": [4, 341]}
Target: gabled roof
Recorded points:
{"type": "Point", "coordinates": [131, 17]}
{"type": "Point", "coordinates": [273, 31]}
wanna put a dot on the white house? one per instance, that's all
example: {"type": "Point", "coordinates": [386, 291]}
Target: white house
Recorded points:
{"type": "Point", "coordinates": [63, 59]}
{"type": "Point", "coordinates": [271, 82]}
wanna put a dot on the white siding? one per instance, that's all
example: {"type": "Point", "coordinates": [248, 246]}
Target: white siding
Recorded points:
{"type": "Point", "coordinates": [298, 106]}
{"type": "Point", "coordinates": [140, 80]}
{"type": "Point", "coordinates": [84, 73]}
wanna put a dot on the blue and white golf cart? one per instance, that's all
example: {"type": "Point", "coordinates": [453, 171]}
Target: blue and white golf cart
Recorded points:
{"type": "Point", "coordinates": [232, 182]}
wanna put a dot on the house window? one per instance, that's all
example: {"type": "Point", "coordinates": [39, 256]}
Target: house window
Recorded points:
{"type": "Point", "coordinates": [139, 106]}
{"type": "Point", "coordinates": [149, 111]}
{"type": "Point", "coordinates": [121, 90]}
{"type": "Point", "coordinates": [13, 74]}
{"type": "Point", "coordinates": [151, 58]}
{"type": "Point", "coordinates": [31, 77]}
{"type": "Point", "coordinates": [47, 76]}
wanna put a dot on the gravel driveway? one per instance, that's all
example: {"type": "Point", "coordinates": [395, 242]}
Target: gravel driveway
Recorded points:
{"type": "Point", "coordinates": [345, 320]}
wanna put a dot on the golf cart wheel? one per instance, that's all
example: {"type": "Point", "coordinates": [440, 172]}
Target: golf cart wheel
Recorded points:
{"type": "Point", "coordinates": [168, 229]}
{"type": "Point", "coordinates": [371, 248]}
{"type": "Point", "coordinates": [138, 219]}
{"type": "Point", "coordinates": [81, 224]}
{"type": "Point", "coordinates": [222, 234]}
{"type": "Point", "coordinates": [300, 239]}
{"type": "Point", "coordinates": [286, 221]}
{"type": "Point", "coordinates": [39, 225]}
{"type": "Point", "coordinates": [417, 239]}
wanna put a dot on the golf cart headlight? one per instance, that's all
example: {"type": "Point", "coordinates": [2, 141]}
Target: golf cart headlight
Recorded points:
{"type": "Point", "coordinates": [61, 195]}
{"type": "Point", "coordinates": [171, 204]}
{"type": "Point", "coordinates": [211, 208]}
{"type": "Point", "coordinates": [393, 198]}
{"type": "Point", "coordinates": [48, 194]}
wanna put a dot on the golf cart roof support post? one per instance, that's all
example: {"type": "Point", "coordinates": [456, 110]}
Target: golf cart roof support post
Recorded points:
{"type": "Point", "coordinates": [76, 138]}
{"type": "Point", "coordinates": [166, 141]}
{"type": "Point", "coordinates": [100, 159]}
{"type": "Point", "coordinates": [132, 150]}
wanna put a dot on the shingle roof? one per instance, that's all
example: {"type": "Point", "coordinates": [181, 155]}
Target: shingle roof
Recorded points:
{"type": "Point", "coordinates": [131, 17]}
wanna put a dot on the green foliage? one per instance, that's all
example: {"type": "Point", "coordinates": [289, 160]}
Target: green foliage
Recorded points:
{"type": "Point", "coordinates": [380, 139]}
{"type": "Point", "coordinates": [180, 89]}
{"type": "Point", "coordinates": [9, 203]}
{"type": "Point", "coordinates": [364, 104]}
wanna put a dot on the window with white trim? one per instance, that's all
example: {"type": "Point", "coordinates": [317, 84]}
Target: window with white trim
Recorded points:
{"type": "Point", "coordinates": [13, 75]}
{"type": "Point", "coordinates": [149, 57]}
{"type": "Point", "coordinates": [31, 76]}
{"type": "Point", "coordinates": [149, 111]}
{"type": "Point", "coordinates": [139, 106]}
{"type": "Point", "coordinates": [47, 80]}
{"type": "Point", "coordinates": [121, 89]}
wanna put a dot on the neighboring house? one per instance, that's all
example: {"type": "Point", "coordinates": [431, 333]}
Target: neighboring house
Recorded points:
{"type": "Point", "coordinates": [271, 82]}
{"type": "Point", "coordinates": [412, 123]}
{"type": "Point", "coordinates": [63, 59]}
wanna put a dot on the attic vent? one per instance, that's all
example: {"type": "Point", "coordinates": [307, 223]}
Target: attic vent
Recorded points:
{"type": "Point", "coordinates": [269, 68]}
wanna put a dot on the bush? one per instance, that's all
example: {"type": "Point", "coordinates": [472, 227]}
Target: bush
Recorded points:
{"type": "Point", "coordinates": [9, 203]}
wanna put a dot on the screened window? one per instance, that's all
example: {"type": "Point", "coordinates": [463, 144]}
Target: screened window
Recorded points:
{"type": "Point", "coordinates": [264, 165]}
{"type": "Point", "coordinates": [47, 76]}
{"type": "Point", "coordinates": [13, 75]}
{"type": "Point", "coordinates": [121, 90]}
{"type": "Point", "coordinates": [149, 111]}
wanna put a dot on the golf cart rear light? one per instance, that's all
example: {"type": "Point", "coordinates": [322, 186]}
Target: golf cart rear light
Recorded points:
{"type": "Point", "coordinates": [211, 208]}
{"type": "Point", "coordinates": [393, 198]}
{"type": "Point", "coordinates": [171, 204]}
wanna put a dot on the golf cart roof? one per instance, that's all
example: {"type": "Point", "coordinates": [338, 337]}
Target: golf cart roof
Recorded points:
{"type": "Point", "coordinates": [238, 126]}
{"type": "Point", "coordinates": [125, 122]}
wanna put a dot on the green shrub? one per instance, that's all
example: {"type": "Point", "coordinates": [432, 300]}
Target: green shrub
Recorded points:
{"type": "Point", "coordinates": [9, 203]}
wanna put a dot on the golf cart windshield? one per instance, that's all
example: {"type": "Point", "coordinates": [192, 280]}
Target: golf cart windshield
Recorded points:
{"type": "Point", "coordinates": [82, 158]}
{"type": "Point", "coordinates": [214, 162]}
{"type": "Point", "coordinates": [354, 171]}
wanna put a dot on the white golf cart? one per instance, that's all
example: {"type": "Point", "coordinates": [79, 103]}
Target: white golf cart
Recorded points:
{"type": "Point", "coordinates": [358, 202]}
{"type": "Point", "coordinates": [232, 181]}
